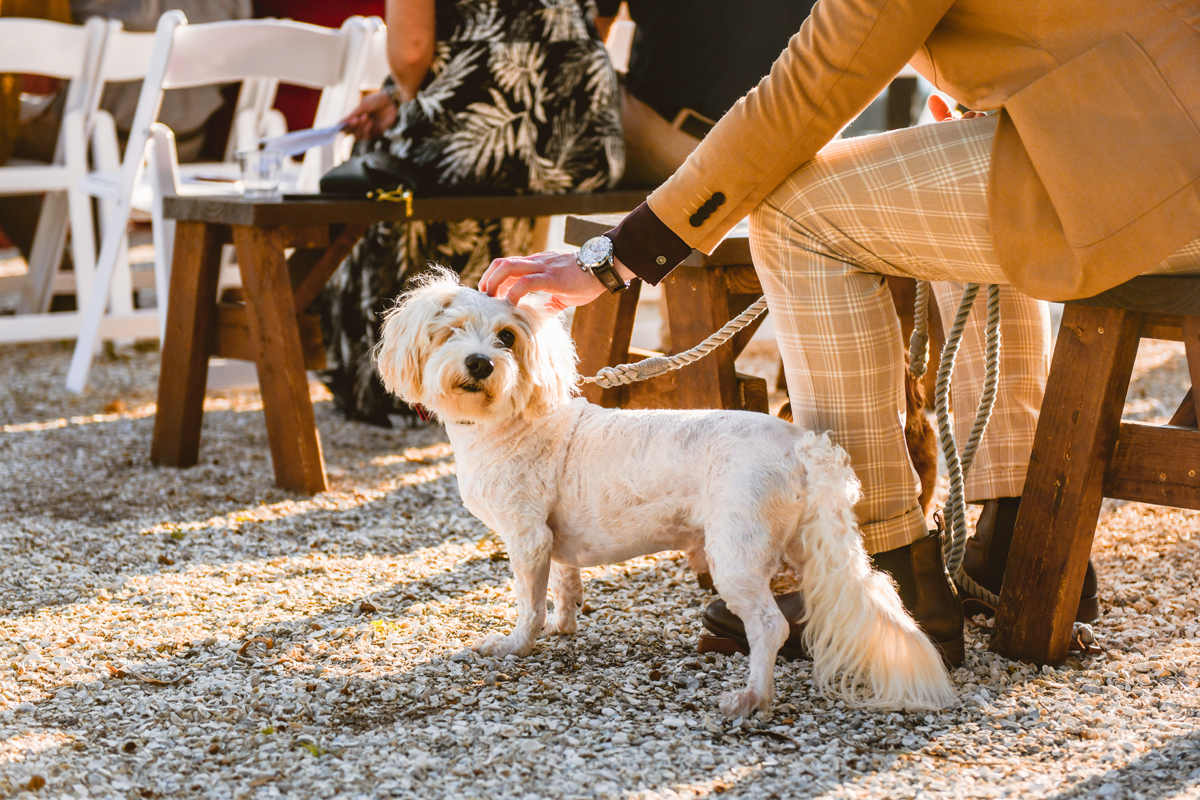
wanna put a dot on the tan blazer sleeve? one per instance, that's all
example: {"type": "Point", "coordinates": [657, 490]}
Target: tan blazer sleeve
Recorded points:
{"type": "Point", "coordinates": [842, 58]}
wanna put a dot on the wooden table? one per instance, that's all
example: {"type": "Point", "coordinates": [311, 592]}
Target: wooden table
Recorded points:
{"type": "Point", "coordinates": [702, 294]}
{"type": "Point", "coordinates": [271, 327]}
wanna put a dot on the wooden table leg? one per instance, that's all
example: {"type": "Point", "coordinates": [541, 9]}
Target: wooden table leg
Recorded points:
{"type": "Point", "coordinates": [185, 348]}
{"type": "Point", "coordinates": [602, 331]}
{"type": "Point", "coordinates": [699, 303]}
{"type": "Point", "coordinates": [312, 269]}
{"type": "Point", "coordinates": [271, 312]}
{"type": "Point", "coordinates": [1064, 487]}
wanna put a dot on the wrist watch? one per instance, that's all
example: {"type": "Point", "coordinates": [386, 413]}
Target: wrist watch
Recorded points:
{"type": "Point", "coordinates": [596, 257]}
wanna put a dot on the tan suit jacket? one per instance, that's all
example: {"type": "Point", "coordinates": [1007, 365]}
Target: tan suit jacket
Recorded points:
{"type": "Point", "coordinates": [1096, 163]}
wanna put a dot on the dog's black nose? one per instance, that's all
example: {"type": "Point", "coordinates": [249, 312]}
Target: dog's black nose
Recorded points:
{"type": "Point", "coordinates": [479, 367]}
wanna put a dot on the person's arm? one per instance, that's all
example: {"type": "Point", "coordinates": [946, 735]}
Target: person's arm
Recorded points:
{"type": "Point", "coordinates": [842, 58]}
{"type": "Point", "coordinates": [845, 54]}
{"type": "Point", "coordinates": [411, 31]}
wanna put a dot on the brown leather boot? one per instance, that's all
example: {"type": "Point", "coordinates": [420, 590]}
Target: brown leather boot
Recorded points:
{"type": "Point", "coordinates": [986, 555]}
{"type": "Point", "coordinates": [925, 589]}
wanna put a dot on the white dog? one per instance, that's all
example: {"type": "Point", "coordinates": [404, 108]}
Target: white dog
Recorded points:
{"type": "Point", "coordinates": [567, 484]}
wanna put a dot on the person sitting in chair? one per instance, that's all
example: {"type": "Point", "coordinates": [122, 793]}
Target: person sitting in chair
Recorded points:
{"type": "Point", "coordinates": [1085, 174]}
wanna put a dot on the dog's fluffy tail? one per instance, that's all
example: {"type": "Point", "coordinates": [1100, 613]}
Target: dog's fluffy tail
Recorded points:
{"type": "Point", "coordinates": [865, 647]}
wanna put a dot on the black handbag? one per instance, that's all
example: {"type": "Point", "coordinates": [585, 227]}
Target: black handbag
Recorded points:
{"type": "Point", "coordinates": [377, 175]}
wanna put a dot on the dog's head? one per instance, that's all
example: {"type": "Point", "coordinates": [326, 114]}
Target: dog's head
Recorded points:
{"type": "Point", "coordinates": [467, 356]}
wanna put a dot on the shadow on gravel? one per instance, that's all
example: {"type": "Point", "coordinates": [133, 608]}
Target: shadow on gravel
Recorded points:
{"type": "Point", "coordinates": [242, 475]}
{"type": "Point", "coordinates": [1167, 772]}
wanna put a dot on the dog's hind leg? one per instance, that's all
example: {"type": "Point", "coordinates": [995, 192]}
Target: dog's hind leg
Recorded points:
{"type": "Point", "coordinates": [742, 577]}
{"type": "Point", "coordinates": [529, 555]}
{"type": "Point", "coordinates": [566, 587]}
{"type": "Point", "coordinates": [865, 647]}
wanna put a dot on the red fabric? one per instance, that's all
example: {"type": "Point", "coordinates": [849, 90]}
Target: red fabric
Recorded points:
{"type": "Point", "coordinates": [297, 103]}
{"type": "Point", "coordinates": [330, 13]}
{"type": "Point", "coordinates": [40, 84]}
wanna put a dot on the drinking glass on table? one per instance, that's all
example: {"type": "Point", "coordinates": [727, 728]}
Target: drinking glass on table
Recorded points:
{"type": "Point", "coordinates": [260, 172]}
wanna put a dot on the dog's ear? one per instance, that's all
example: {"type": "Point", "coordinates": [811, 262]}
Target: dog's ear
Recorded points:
{"type": "Point", "coordinates": [404, 343]}
{"type": "Point", "coordinates": [538, 307]}
{"type": "Point", "coordinates": [549, 361]}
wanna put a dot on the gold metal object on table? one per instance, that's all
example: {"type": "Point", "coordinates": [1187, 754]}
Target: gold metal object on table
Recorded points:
{"type": "Point", "coordinates": [397, 195]}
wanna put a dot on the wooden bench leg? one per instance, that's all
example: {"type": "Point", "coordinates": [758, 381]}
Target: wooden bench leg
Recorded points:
{"type": "Point", "coordinates": [1060, 503]}
{"type": "Point", "coordinates": [699, 303]}
{"type": "Point", "coordinates": [602, 331]}
{"type": "Point", "coordinates": [291, 426]}
{"type": "Point", "coordinates": [185, 349]}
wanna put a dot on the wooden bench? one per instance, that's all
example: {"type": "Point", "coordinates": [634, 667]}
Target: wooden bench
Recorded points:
{"type": "Point", "coordinates": [703, 293]}
{"type": "Point", "coordinates": [1083, 452]}
{"type": "Point", "coordinates": [270, 326]}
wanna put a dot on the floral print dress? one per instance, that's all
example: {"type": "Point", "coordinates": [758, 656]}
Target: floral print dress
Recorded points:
{"type": "Point", "coordinates": [520, 98]}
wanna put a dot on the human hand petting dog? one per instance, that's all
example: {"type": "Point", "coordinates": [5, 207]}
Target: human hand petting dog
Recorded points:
{"type": "Point", "coordinates": [557, 274]}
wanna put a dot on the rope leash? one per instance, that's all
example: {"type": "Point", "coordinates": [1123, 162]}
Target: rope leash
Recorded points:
{"type": "Point", "coordinates": [609, 377]}
{"type": "Point", "coordinates": [957, 466]}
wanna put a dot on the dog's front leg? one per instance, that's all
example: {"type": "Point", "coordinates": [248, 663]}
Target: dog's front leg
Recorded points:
{"type": "Point", "coordinates": [529, 554]}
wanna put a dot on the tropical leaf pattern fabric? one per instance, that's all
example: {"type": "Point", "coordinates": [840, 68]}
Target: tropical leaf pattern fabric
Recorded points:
{"type": "Point", "coordinates": [520, 98]}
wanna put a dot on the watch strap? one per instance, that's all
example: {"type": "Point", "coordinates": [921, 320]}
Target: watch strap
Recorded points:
{"type": "Point", "coordinates": [607, 275]}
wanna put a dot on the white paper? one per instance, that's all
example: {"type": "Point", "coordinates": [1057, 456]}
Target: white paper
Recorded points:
{"type": "Point", "coordinates": [296, 142]}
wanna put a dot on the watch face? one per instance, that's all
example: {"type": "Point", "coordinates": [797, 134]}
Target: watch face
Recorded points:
{"type": "Point", "coordinates": [595, 251]}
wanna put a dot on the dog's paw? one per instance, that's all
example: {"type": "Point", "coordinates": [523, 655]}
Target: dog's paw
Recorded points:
{"type": "Point", "coordinates": [561, 625]}
{"type": "Point", "coordinates": [743, 703]}
{"type": "Point", "coordinates": [498, 645]}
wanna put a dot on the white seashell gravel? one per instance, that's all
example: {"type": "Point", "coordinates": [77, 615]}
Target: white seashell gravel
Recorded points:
{"type": "Point", "coordinates": [199, 633]}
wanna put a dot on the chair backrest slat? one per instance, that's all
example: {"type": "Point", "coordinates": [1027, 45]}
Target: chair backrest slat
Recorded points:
{"type": "Point", "coordinates": [39, 47]}
{"type": "Point", "coordinates": [127, 55]}
{"type": "Point", "coordinates": [224, 52]}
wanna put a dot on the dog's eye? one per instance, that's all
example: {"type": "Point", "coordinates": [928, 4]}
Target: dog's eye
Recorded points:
{"type": "Point", "coordinates": [506, 338]}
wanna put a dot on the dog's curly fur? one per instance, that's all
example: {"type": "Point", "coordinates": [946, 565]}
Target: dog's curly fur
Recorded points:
{"type": "Point", "coordinates": [567, 484]}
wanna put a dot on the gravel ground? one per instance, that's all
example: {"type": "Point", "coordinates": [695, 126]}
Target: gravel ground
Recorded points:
{"type": "Point", "coordinates": [200, 633]}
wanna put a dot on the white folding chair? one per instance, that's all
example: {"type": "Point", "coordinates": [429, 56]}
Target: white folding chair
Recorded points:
{"type": "Point", "coordinates": [254, 119]}
{"type": "Point", "coordinates": [195, 55]}
{"type": "Point", "coordinates": [375, 67]}
{"type": "Point", "coordinates": [367, 76]}
{"type": "Point", "coordinates": [339, 100]}
{"type": "Point", "coordinates": [73, 53]}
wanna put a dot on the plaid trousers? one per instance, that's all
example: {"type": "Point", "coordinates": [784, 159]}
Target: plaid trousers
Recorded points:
{"type": "Point", "coordinates": [913, 203]}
